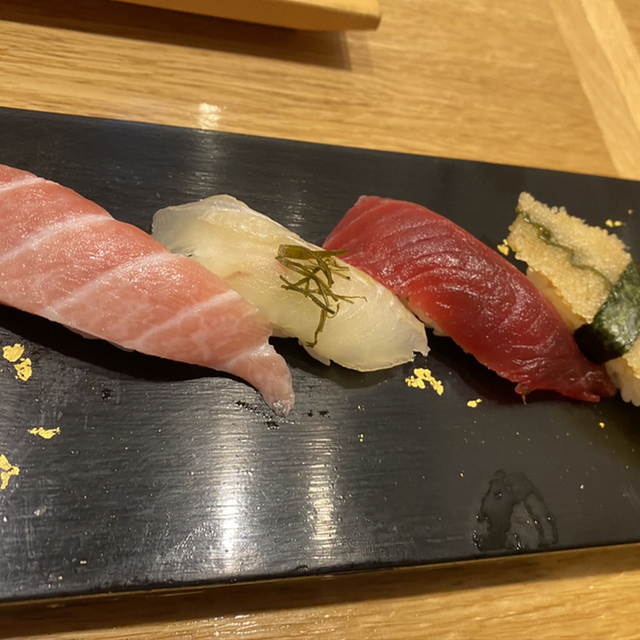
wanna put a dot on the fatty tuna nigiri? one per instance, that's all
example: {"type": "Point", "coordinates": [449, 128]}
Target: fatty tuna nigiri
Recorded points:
{"type": "Point", "coordinates": [66, 259]}
{"type": "Point", "coordinates": [471, 293]}
{"type": "Point", "coordinates": [337, 312]}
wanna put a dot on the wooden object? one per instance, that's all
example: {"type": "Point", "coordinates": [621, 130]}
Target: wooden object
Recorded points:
{"type": "Point", "coordinates": [316, 15]}
{"type": "Point", "coordinates": [368, 471]}
{"type": "Point", "coordinates": [537, 83]}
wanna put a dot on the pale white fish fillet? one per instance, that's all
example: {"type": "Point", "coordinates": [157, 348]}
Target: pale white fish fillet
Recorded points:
{"type": "Point", "coordinates": [372, 330]}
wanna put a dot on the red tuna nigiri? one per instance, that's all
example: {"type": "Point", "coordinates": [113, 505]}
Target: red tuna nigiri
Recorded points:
{"type": "Point", "coordinates": [65, 258]}
{"type": "Point", "coordinates": [471, 292]}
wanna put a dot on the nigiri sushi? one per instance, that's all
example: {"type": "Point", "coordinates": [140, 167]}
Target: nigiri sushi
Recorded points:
{"type": "Point", "coordinates": [469, 292]}
{"type": "Point", "coordinates": [337, 312]}
{"type": "Point", "coordinates": [66, 259]}
{"type": "Point", "coordinates": [591, 279]}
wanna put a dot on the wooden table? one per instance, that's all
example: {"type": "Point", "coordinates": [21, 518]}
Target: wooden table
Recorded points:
{"type": "Point", "coordinates": [545, 83]}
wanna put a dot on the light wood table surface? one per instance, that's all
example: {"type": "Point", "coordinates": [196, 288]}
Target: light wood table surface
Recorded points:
{"type": "Point", "coordinates": [544, 83]}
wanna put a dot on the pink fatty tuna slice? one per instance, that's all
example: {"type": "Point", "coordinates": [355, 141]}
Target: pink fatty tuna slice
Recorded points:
{"type": "Point", "coordinates": [66, 259]}
{"type": "Point", "coordinates": [473, 294]}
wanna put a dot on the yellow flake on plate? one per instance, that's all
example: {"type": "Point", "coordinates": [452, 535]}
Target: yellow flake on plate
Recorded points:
{"type": "Point", "coordinates": [23, 369]}
{"type": "Point", "coordinates": [415, 382]}
{"type": "Point", "coordinates": [13, 353]}
{"type": "Point", "coordinates": [6, 471]}
{"type": "Point", "coordinates": [47, 434]}
{"type": "Point", "coordinates": [601, 425]}
{"type": "Point", "coordinates": [420, 376]}
{"type": "Point", "coordinates": [474, 403]}
{"type": "Point", "coordinates": [613, 223]}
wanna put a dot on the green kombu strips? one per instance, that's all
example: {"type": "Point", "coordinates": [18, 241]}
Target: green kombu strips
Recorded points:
{"type": "Point", "coordinates": [616, 325]}
{"type": "Point", "coordinates": [316, 271]}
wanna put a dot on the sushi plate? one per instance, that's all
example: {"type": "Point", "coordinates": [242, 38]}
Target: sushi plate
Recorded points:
{"type": "Point", "coordinates": [124, 472]}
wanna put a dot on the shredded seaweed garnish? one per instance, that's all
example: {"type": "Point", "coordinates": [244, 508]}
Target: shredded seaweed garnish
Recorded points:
{"type": "Point", "coordinates": [546, 236]}
{"type": "Point", "coordinates": [317, 270]}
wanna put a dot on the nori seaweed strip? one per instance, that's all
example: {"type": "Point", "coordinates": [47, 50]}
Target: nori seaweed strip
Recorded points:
{"type": "Point", "coordinates": [616, 325]}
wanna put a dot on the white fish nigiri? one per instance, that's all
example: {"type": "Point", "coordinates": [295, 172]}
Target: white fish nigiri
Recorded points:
{"type": "Point", "coordinates": [337, 312]}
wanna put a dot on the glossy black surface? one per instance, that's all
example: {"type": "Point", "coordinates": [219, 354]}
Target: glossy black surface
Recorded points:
{"type": "Point", "coordinates": [167, 475]}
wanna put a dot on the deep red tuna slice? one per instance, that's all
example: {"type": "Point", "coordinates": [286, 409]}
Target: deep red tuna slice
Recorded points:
{"type": "Point", "coordinates": [474, 295]}
{"type": "Point", "coordinates": [65, 258]}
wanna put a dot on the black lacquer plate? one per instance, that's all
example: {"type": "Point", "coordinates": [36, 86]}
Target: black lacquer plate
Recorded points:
{"type": "Point", "coordinates": [166, 475]}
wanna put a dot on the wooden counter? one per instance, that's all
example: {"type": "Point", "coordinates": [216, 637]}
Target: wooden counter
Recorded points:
{"type": "Point", "coordinates": [544, 83]}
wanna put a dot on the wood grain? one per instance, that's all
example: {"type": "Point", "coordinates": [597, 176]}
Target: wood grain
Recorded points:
{"type": "Point", "coordinates": [548, 84]}
{"type": "Point", "coordinates": [608, 65]}
{"type": "Point", "coordinates": [318, 15]}
{"type": "Point", "coordinates": [545, 595]}
{"type": "Point", "coordinates": [469, 81]}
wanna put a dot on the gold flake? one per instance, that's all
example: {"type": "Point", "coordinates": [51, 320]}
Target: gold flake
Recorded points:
{"type": "Point", "coordinates": [601, 424]}
{"type": "Point", "coordinates": [23, 369]}
{"type": "Point", "coordinates": [503, 248]}
{"type": "Point", "coordinates": [6, 471]}
{"type": "Point", "coordinates": [420, 376]}
{"type": "Point", "coordinates": [47, 434]}
{"type": "Point", "coordinates": [474, 403]}
{"type": "Point", "coordinates": [415, 382]}
{"type": "Point", "coordinates": [613, 223]}
{"type": "Point", "coordinates": [361, 437]}
{"type": "Point", "coordinates": [12, 354]}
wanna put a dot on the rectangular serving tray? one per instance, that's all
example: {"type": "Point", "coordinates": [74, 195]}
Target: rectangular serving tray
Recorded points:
{"type": "Point", "coordinates": [167, 475]}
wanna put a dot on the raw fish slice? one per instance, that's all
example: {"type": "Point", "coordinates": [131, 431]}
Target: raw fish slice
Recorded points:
{"type": "Point", "coordinates": [371, 329]}
{"type": "Point", "coordinates": [65, 258]}
{"type": "Point", "coordinates": [473, 294]}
